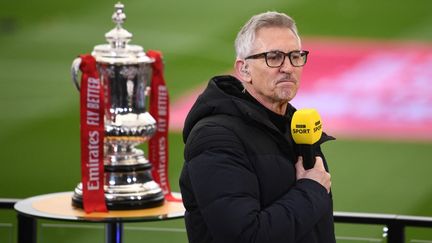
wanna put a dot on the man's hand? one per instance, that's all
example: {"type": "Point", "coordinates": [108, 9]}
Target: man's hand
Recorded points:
{"type": "Point", "coordinates": [317, 173]}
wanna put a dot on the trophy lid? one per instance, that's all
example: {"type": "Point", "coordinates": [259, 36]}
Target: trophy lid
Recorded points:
{"type": "Point", "coordinates": [118, 51]}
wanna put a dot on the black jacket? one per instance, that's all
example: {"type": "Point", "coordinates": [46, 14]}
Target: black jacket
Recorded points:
{"type": "Point", "coordinates": [239, 181]}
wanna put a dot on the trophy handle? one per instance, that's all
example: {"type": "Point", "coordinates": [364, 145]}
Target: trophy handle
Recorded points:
{"type": "Point", "coordinates": [74, 72]}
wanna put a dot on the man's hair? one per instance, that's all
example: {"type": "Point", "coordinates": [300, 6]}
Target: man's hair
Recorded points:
{"type": "Point", "coordinates": [246, 36]}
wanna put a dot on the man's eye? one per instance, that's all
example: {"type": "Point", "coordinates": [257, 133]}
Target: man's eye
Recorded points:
{"type": "Point", "coordinates": [274, 55]}
{"type": "Point", "coordinates": [294, 57]}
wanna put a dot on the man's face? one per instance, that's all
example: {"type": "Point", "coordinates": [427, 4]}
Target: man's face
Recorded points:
{"type": "Point", "coordinates": [274, 85]}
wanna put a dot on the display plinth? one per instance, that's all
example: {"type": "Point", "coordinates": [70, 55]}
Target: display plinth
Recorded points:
{"type": "Point", "coordinates": [57, 206]}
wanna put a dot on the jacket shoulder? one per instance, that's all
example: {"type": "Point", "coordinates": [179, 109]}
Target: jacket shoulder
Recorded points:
{"type": "Point", "coordinates": [213, 132]}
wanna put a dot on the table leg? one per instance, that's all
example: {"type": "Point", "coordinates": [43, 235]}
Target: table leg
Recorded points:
{"type": "Point", "coordinates": [114, 232]}
{"type": "Point", "coordinates": [26, 229]}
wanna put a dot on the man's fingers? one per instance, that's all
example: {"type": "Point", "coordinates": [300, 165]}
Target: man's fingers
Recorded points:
{"type": "Point", "coordinates": [319, 163]}
{"type": "Point", "coordinates": [299, 163]}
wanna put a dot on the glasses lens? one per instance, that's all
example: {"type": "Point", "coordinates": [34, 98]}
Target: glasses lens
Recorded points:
{"type": "Point", "coordinates": [275, 58]}
{"type": "Point", "coordinates": [298, 58]}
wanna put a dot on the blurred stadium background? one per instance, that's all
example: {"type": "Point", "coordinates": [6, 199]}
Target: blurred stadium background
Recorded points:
{"type": "Point", "coordinates": [39, 125]}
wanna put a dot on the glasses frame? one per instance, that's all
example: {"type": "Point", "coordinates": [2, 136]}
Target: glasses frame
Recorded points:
{"type": "Point", "coordinates": [289, 55]}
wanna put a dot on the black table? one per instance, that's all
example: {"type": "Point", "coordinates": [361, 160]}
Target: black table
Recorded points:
{"type": "Point", "coordinates": [57, 206]}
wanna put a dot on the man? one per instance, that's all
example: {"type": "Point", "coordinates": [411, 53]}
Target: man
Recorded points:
{"type": "Point", "coordinates": [243, 180]}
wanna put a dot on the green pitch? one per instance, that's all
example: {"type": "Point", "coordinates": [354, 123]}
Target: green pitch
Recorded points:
{"type": "Point", "coordinates": [39, 125]}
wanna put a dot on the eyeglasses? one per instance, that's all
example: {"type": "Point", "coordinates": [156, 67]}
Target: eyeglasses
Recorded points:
{"type": "Point", "coordinates": [276, 59]}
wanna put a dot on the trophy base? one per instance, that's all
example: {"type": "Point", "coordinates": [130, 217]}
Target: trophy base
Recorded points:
{"type": "Point", "coordinates": [124, 201]}
{"type": "Point", "coordinates": [126, 204]}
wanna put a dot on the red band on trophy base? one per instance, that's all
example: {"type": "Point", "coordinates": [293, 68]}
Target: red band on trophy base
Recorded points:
{"type": "Point", "coordinates": [92, 136]}
{"type": "Point", "coordinates": [159, 109]}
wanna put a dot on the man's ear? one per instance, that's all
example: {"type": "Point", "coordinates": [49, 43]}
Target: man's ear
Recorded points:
{"type": "Point", "coordinates": [242, 71]}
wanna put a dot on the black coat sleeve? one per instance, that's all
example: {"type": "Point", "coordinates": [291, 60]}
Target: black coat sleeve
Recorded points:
{"type": "Point", "coordinates": [226, 192]}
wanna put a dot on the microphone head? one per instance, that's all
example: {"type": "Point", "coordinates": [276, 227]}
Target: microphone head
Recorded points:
{"type": "Point", "coordinates": [306, 126]}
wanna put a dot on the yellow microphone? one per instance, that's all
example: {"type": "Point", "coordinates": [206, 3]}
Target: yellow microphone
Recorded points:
{"type": "Point", "coordinates": [306, 130]}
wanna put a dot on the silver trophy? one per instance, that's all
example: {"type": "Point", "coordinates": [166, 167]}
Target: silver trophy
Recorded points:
{"type": "Point", "coordinates": [125, 72]}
